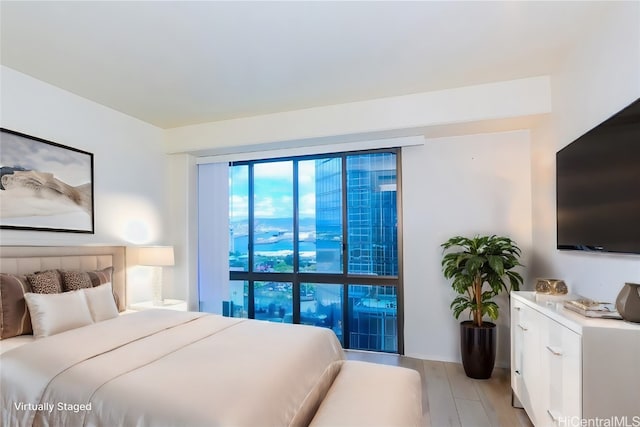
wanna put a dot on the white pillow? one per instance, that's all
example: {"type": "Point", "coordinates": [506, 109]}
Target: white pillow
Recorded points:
{"type": "Point", "coordinates": [101, 303]}
{"type": "Point", "coordinates": [55, 313]}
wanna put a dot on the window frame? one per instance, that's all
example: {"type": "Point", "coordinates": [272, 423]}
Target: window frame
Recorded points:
{"type": "Point", "coordinates": [345, 279]}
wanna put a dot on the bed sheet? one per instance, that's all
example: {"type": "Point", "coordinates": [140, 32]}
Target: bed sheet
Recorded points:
{"type": "Point", "coordinates": [15, 342]}
{"type": "Point", "coordinates": [163, 367]}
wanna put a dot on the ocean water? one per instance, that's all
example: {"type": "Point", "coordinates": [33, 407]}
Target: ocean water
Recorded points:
{"type": "Point", "coordinates": [268, 229]}
{"type": "Point", "coordinates": [241, 242]}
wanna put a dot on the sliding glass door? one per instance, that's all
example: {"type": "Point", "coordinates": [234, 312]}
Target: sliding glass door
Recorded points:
{"type": "Point", "coordinates": [315, 240]}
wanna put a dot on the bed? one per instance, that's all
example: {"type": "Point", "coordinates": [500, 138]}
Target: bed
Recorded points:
{"type": "Point", "coordinates": [170, 368]}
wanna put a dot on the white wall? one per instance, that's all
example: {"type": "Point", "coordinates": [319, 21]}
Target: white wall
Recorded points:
{"type": "Point", "coordinates": [182, 231]}
{"type": "Point", "coordinates": [130, 167]}
{"type": "Point", "coordinates": [466, 185]}
{"type": "Point", "coordinates": [600, 77]}
{"type": "Point", "coordinates": [365, 120]}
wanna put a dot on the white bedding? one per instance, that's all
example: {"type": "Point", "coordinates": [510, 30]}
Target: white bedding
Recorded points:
{"type": "Point", "coordinates": [15, 342]}
{"type": "Point", "coordinates": [170, 368]}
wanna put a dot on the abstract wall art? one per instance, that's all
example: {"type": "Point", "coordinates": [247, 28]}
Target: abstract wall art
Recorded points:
{"type": "Point", "coordinates": [44, 185]}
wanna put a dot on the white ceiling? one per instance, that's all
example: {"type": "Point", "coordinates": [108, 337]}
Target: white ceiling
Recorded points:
{"type": "Point", "coordinates": [179, 63]}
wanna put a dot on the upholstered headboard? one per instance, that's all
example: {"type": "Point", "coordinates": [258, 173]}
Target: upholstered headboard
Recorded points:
{"type": "Point", "coordinates": [28, 259]}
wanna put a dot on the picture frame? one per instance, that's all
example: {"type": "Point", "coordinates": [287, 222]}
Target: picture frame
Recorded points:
{"type": "Point", "coordinates": [44, 186]}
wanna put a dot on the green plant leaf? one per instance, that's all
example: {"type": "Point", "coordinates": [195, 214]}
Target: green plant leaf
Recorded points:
{"type": "Point", "coordinates": [474, 264]}
{"type": "Point", "coordinates": [496, 263]}
{"type": "Point", "coordinates": [460, 304]}
{"type": "Point", "coordinates": [491, 309]}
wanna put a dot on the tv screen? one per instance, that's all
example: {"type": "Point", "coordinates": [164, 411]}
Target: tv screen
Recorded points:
{"type": "Point", "coordinates": [598, 187]}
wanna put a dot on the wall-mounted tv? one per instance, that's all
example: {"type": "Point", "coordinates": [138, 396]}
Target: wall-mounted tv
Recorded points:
{"type": "Point", "coordinates": [598, 187]}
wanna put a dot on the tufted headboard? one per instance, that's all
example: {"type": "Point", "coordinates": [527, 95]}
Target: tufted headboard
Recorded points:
{"type": "Point", "coordinates": [28, 259]}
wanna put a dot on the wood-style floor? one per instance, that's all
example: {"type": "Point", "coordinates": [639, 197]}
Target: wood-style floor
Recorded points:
{"type": "Point", "coordinates": [450, 398]}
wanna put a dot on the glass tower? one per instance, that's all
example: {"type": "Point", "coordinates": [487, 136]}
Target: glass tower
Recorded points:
{"type": "Point", "coordinates": [329, 215]}
{"type": "Point", "coordinates": [372, 243]}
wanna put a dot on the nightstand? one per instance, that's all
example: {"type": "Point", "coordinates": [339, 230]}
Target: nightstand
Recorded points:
{"type": "Point", "coordinates": [167, 304]}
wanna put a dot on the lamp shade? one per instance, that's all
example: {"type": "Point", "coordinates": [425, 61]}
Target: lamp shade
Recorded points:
{"type": "Point", "coordinates": [156, 255]}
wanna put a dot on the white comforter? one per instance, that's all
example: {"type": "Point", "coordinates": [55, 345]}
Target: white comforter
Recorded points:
{"type": "Point", "coordinates": [169, 368]}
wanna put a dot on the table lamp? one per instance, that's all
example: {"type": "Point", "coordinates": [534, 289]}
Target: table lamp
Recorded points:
{"type": "Point", "coordinates": [157, 257]}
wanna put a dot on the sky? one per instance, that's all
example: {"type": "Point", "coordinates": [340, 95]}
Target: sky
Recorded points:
{"type": "Point", "coordinates": [273, 185]}
{"type": "Point", "coordinates": [273, 190]}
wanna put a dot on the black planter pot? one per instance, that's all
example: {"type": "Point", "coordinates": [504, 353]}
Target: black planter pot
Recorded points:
{"type": "Point", "coordinates": [478, 348]}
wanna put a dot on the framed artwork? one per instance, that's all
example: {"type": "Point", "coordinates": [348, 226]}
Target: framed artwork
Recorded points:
{"type": "Point", "coordinates": [44, 185]}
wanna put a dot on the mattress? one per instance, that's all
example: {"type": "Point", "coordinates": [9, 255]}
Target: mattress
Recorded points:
{"type": "Point", "coordinates": [170, 368]}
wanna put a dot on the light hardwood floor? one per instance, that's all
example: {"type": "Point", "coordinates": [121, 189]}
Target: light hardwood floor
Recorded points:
{"type": "Point", "coordinates": [450, 398]}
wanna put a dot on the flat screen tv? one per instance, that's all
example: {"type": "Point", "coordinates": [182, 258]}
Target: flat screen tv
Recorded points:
{"type": "Point", "coordinates": [598, 187]}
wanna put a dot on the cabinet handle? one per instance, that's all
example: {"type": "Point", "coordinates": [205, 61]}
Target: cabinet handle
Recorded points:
{"type": "Point", "coordinates": [517, 371]}
{"type": "Point", "coordinates": [553, 417]}
{"type": "Point", "coordinates": [516, 308]}
{"type": "Point", "coordinates": [522, 327]}
{"type": "Point", "coordinates": [555, 352]}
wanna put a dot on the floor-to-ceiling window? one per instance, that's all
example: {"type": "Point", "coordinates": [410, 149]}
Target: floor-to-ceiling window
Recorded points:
{"type": "Point", "coordinates": [315, 240]}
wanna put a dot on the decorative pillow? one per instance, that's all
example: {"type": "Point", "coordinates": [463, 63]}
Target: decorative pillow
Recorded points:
{"type": "Point", "coordinates": [74, 280]}
{"type": "Point", "coordinates": [55, 313]}
{"type": "Point", "coordinates": [45, 282]}
{"type": "Point", "coordinates": [101, 302]}
{"type": "Point", "coordinates": [14, 315]}
{"type": "Point", "coordinates": [100, 277]}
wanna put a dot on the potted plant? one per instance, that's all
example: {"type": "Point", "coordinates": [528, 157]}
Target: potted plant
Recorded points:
{"type": "Point", "coordinates": [472, 263]}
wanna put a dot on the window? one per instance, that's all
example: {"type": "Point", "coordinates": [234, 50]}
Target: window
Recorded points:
{"type": "Point", "coordinates": [314, 240]}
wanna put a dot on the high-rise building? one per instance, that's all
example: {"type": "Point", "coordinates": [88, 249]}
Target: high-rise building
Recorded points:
{"type": "Point", "coordinates": [329, 215]}
{"type": "Point", "coordinates": [372, 243]}
{"type": "Point", "coordinates": [372, 223]}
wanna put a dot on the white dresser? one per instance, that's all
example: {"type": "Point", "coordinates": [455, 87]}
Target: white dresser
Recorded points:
{"type": "Point", "coordinates": [566, 367]}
